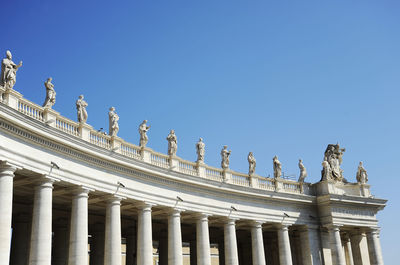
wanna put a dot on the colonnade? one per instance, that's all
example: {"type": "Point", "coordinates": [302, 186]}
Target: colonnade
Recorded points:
{"type": "Point", "coordinates": [362, 248]}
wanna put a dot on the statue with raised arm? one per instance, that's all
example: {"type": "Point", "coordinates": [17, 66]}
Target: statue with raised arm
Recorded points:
{"type": "Point", "coordinates": [113, 119]}
{"type": "Point", "coordinates": [303, 171]}
{"type": "Point", "coordinates": [9, 71]}
{"type": "Point", "coordinates": [225, 157]}
{"type": "Point", "coordinates": [277, 167]}
{"type": "Point", "coordinates": [333, 155]}
{"type": "Point", "coordinates": [50, 94]}
{"type": "Point", "coordinates": [200, 150]}
{"type": "Point", "coordinates": [362, 176]}
{"type": "Point", "coordinates": [252, 163]}
{"type": "Point", "coordinates": [81, 105]}
{"type": "Point", "coordinates": [143, 128]}
{"type": "Point", "coordinates": [172, 143]}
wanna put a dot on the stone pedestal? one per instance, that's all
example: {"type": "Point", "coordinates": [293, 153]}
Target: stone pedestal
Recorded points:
{"type": "Point", "coordinates": [175, 256]}
{"type": "Point", "coordinates": [11, 98]}
{"type": "Point", "coordinates": [6, 200]}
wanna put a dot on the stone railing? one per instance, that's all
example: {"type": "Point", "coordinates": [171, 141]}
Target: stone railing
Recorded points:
{"type": "Point", "coordinates": [84, 131]}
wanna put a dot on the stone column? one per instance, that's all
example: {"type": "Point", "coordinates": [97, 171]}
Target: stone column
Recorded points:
{"type": "Point", "coordinates": [20, 239]}
{"type": "Point", "coordinates": [131, 246]}
{"type": "Point", "coordinates": [231, 251]}
{"type": "Point", "coordinates": [336, 246]}
{"type": "Point", "coordinates": [112, 246]}
{"type": "Point", "coordinates": [374, 247]}
{"type": "Point", "coordinates": [203, 240]}
{"type": "Point", "coordinates": [40, 248]}
{"type": "Point", "coordinates": [6, 197]}
{"type": "Point", "coordinates": [285, 254]}
{"type": "Point", "coordinates": [78, 236]}
{"type": "Point", "coordinates": [257, 244]}
{"type": "Point", "coordinates": [175, 256]}
{"type": "Point", "coordinates": [359, 248]}
{"type": "Point", "coordinates": [347, 250]}
{"type": "Point", "coordinates": [144, 234]}
{"type": "Point", "coordinates": [97, 244]}
{"type": "Point", "coordinates": [310, 247]}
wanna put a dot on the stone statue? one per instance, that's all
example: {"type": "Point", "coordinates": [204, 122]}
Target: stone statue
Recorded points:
{"type": "Point", "coordinates": [326, 171]}
{"type": "Point", "coordinates": [50, 94]}
{"type": "Point", "coordinates": [172, 143]}
{"type": "Point", "coordinates": [252, 163]}
{"type": "Point", "coordinates": [143, 128]}
{"type": "Point", "coordinates": [333, 155]}
{"type": "Point", "coordinates": [277, 167]}
{"type": "Point", "coordinates": [303, 171]}
{"type": "Point", "coordinates": [225, 157]}
{"type": "Point", "coordinates": [113, 119]}
{"type": "Point", "coordinates": [362, 176]}
{"type": "Point", "coordinates": [81, 105]}
{"type": "Point", "coordinates": [200, 150]}
{"type": "Point", "coordinates": [8, 71]}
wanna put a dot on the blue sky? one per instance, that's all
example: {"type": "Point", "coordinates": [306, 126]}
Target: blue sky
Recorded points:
{"type": "Point", "coordinates": [279, 78]}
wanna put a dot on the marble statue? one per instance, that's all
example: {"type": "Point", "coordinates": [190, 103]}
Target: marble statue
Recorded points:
{"type": "Point", "coordinates": [326, 171]}
{"type": "Point", "coordinates": [9, 71]}
{"type": "Point", "coordinates": [225, 157]}
{"type": "Point", "coordinates": [200, 150]}
{"type": "Point", "coordinates": [277, 167]}
{"type": "Point", "coordinates": [333, 155]}
{"type": "Point", "coordinates": [362, 176]}
{"type": "Point", "coordinates": [113, 119]}
{"type": "Point", "coordinates": [303, 171]}
{"type": "Point", "coordinates": [252, 163]}
{"type": "Point", "coordinates": [50, 94]}
{"type": "Point", "coordinates": [172, 143]}
{"type": "Point", "coordinates": [81, 105]}
{"type": "Point", "coordinates": [143, 129]}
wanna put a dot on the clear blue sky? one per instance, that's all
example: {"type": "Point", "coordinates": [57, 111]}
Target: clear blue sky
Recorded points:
{"type": "Point", "coordinates": [273, 77]}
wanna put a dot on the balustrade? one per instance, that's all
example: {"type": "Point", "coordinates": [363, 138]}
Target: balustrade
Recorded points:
{"type": "Point", "coordinates": [30, 109]}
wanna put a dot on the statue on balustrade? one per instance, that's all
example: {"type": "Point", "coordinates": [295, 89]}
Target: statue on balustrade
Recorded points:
{"type": "Point", "coordinates": [333, 155]}
{"type": "Point", "coordinates": [252, 163]}
{"type": "Point", "coordinates": [143, 129]}
{"type": "Point", "coordinates": [303, 171]}
{"type": "Point", "coordinates": [9, 71]}
{"type": "Point", "coordinates": [362, 176]}
{"type": "Point", "coordinates": [113, 119]}
{"type": "Point", "coordinates": [172, 143]}
{"type": "Point", "coordinates": [277, 167]}
{"type": "Point", "coordinates": [200, 150]}
{"type": "Point", "coordinates": [81, 105]}
{"type": "Point", "coordinates": [50, 94]}
{"type": "Point", "coordinates": [225, 157]}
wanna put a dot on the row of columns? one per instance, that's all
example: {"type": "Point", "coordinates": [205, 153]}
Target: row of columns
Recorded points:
{"type": "Point", "coordinates": [41, 233]}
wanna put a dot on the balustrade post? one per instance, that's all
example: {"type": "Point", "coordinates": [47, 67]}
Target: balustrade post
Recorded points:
{"type": "Point", "coordinates": [145, 153]}
{"type": "Point", "coordinates": [278, 184]}
{"type": "Point", "coordinates": [84, 131]}
{"type": "Point", "coordinates": [201, 170]}
{"type": "Point", "coordinates": [173, 163]}
{"type": "Point", "coordinates": [11, 98]}
{"type": "Point", "coordinates": [116, 144]}
{"type": "Point", "coordinates": [50, 116]}
{"type": "Point", "coordinates": [253, 181]}
{"type": "Point", "coordinates": [227, 176]}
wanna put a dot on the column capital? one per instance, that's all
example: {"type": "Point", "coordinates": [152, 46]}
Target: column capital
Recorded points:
{"type": "Point", "coordinates": [202, 216]}
{"type": "Point", "coordinates": [115, 199]}
{"type": "Point", "coordinates": [283, 226]}
{"type": "Point", "coordinates": [333, 227]}
{"type": "Point", "coordinates": [174, 211]}
{"type": "Point", "coordinates": [82, 190]}
{"type": "Point", "coordinates": [7, 166]}
{"type": "Point", "coordinates": [256, 223]}
{"type": "Point", "coordinates": [145, 206]}
{"type": "Point", "coordinates": [374, 231]}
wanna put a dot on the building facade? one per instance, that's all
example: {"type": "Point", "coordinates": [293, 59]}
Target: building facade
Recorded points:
{"type": "Point", "coordinates": [72, 195]}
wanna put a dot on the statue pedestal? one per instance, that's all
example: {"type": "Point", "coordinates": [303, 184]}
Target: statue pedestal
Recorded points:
{"type": "Point", "coordinates": [145, 153]}
{"type": "Point", "coordinates": [84, 131]}
{"type": "Point", "coordinates": [253, 181]}
{"type": "Point", "coordinates": [325, 187]}
{"type": "Point", "coordinates": [11, 98]}
{"type": "Point", "coordinates": [174, 163]}
{"type": "Point", "coordinates": [227, 175]}
{"type": "Point", "coordinates": [201, 169]}
{"type": "Point", "coordinates": [116, 144]}
{"type": "Point", "coordinates": [50, 116]}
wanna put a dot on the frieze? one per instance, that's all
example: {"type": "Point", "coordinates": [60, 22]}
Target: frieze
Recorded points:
{"type": "Point", "coordinates": [352, 212]}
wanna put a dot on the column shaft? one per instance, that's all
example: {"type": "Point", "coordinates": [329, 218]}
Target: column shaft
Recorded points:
{"type": "Point", "coordinates": [144, 234]}
{"type": "Point", "coordinates": [112, 246]}
{"type": "Point", "coordinates": [336, 246]}
{"type": "Point", "coordinates": [231, 251]}
{"type": "Point", "coordinates": [310, 247]}
{"type": "Point", "coordinates": [347, 251]}
{"type": "Point", "coordinates": [78, 240]}
{"type": "Point", "coordinates": [40, 248]}
{"type": "Point", "coordinates": [285, 255]}
{"type": "Point", "coordinates": [257, 243]}
{"type": "Point", "coordinates": [203, 241]}
{"type": "Point", "coordinates": [359, 248]}
{"type": "Point", "coordinates": [6, 196]}
{"type": "Point", "coordinates": [374, 247]}
{"type": "Point", "coordinates": [175, 256]}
